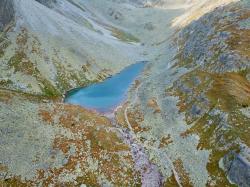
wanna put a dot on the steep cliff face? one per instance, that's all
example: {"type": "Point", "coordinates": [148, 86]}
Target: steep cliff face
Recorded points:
{"type": "Point", "coordinates": [6, 13]}
{"type": "Point", "coordinates": [48, 3]}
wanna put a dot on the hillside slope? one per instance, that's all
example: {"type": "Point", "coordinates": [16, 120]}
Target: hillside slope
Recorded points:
{"type": "Point", "coordinates": [44, 47]}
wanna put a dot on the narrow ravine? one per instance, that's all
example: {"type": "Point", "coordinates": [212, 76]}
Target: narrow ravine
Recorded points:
{"type": "Point", "coordinates": [150, 174]}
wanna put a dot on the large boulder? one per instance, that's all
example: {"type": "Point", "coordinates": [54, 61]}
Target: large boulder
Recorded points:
{"type": "Point", "coordinates": [238, 167]}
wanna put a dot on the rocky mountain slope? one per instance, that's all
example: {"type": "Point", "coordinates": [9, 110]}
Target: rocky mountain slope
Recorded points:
{"type": "Point", "coordinates": [209, 84]}
{"type": "Point", "coordinates": [187, 116]}
{"type": "Point", "coordinates": [52, 47]}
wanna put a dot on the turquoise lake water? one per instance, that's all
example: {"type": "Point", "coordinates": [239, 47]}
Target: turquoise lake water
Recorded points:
{"type": "Point", "coordinates": [106, 95]}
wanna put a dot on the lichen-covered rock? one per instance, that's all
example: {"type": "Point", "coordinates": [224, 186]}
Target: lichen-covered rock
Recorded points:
{"type": "Point", "coordinates": [215, 46]}
{"type": "Point", "coordinates": [215, 50]}
{"type": "Point", "coordinates": [58, 144]}
{"type": "Point", "coordinates": [237, 166]}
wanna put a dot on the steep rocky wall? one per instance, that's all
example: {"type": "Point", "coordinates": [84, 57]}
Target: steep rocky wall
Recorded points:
{"type": "Point", "coordinates": [6, 13]}
{"type": "Point", "coordinates": [47, 3]}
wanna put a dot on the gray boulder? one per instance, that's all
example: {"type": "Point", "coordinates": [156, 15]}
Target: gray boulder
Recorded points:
{"type": "Point", "coordinates": [238, 168]}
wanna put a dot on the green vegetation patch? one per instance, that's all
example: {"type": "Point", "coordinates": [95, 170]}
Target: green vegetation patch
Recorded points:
{"type": "Point", "coordinates": [48, 89]}
{"type": "Point", "coordinates": [123, 36]}
{"type": "Point", "coordinates": [4, 43]}
{"type": "Point", "coordinates": [230, 91]}
{"type": "Point", "coordinates": [21, 63]}
{"type": "Point", "coordinates": [5, 82]}
{"type": "Point", "coordinates": [64, 77]}
{"type": "Point", "coordinates": [13, 182]}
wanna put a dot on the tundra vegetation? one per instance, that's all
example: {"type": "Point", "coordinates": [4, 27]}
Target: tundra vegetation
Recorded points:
{"type": "Point", "coordinates": [186, 120]}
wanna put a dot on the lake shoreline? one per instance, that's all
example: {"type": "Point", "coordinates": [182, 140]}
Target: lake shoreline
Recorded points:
{"type": "Point", "coordinates": [104, 97]}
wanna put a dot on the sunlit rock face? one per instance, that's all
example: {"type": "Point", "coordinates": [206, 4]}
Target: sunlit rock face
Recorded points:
{"type": "Point", "coordinates": [159, 3]}
{"type": "Point", "coordinates": [197, 9]}
{"type": "Point", "coordinates": [165, 3]}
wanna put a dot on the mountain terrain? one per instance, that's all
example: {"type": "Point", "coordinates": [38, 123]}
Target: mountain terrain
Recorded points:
{"type": "Point", "coordinates": [186, 120]}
